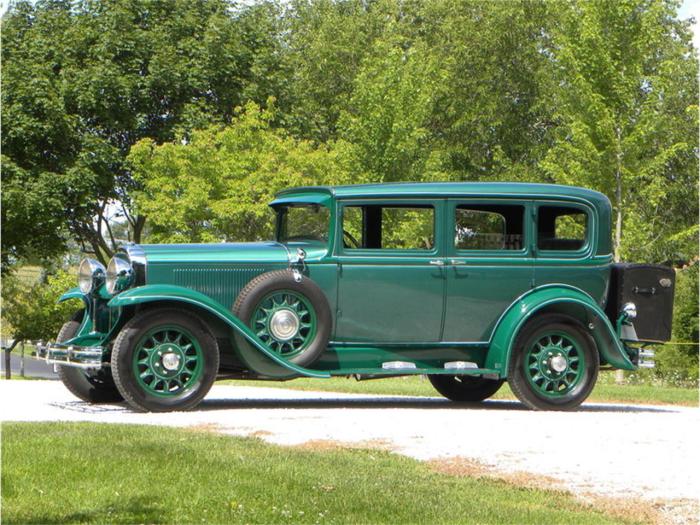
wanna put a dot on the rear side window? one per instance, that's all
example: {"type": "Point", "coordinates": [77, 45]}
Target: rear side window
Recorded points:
{"type": "Point", "coordinates": [377, 227]}
{"type": "Point", "coordinates": [561, 228]}
{"type": "Point", "coordinates": [489, 227]}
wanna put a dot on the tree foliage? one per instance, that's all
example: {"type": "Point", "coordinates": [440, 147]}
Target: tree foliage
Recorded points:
{"type": "Point", "coordinates": [30, 310]}
{"type": "Point", "coordinates": [681, 360]}
{"type": "Point", "coordinates": [216, 186]}
{"type": "Point", "coordinates": [626, 98]}
{"type": "Point", "coordinates": [84, 81]}
{"type": "Point", "coordinates": [160, 110]}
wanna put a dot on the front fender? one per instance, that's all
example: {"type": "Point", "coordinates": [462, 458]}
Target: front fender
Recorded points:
{"type": "Point", "coordinates": [278, 367]}
{"type": "Point", "coordinates": [555, 298]}
{"type": "Point", "coordinates": [74, 293]}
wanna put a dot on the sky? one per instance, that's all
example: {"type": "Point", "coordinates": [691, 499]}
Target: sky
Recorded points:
{"type": "Point", "coordinates": [691, 8]}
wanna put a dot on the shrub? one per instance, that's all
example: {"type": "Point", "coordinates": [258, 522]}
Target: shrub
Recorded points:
{"type": "Point", "coordinates": [680, 362]}
{"type": "Point", "coordinates": [30, 310]}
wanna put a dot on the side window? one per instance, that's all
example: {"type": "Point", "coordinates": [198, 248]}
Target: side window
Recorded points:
{"type": "Point", "coordinates": [561, 228]}
{"type": "Point", "coordinates": [489, 227]}
{"type": "Point", "coordinates": [378, 227]}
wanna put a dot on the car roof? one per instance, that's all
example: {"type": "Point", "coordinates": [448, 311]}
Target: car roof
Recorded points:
{"type": "Point", "coordinates": [450, 189]}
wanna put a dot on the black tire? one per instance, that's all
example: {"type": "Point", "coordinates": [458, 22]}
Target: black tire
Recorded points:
{"type": "Point", "coordinates": [261, 286]}
{"type": "Point", "coordinates": [125, 347]}
{"type": "Point", "coordinates": [517, 368]}
{"type": "Point", "coordinates": [93, 386]}
{"type": "Point", "coordinates": [465, 389]}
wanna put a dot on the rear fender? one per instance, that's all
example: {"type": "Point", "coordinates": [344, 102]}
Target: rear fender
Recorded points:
{"type": "Point", "coordinates": [265, 361]}
{"type": "Point", "coordinates": [556, 298]}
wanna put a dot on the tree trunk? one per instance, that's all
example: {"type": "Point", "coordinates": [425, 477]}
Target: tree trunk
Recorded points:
{"type": "Point", "coordinates": [21, 361]}
{"type": "Point", "coordinates": [619, 374]}
{"type": "Point", "coordinates": [8, 359]}
{"type": "Point", "coordinates": [138, 228]}
{"type": "Point", "coordinates": [618, 198]}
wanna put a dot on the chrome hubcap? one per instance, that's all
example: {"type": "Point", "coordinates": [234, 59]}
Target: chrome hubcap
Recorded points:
{"type": "Point", "coordinates": [284, 325]}
{"type": "Point", "coordinates": [558, 363]}
{"type": "Point", "coordinates": [171, 361]}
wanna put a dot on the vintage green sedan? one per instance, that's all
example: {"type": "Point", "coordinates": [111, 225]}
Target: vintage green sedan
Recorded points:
{"type": "Point", "coordinates": [470, 284]}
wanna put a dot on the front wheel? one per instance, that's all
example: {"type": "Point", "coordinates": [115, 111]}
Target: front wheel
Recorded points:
{"type": "Point", "coordinates": [94, 386]}
{"type": "Point", "coordinates": [465, 389]}
{"type": "Point", "coordinates": [554, 365]}
{"type": "Point", "coordinates": [164, 360]}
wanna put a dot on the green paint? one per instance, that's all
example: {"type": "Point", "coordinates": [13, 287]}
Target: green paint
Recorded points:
{"type": "Point", "coordinates": [277, 365]}
{"type": "Point", "coordinates": [547, 348]}
{"type": "Point", "coordinates": [280, 303]}
{"type": "Point", "coordinates": [427, 307]}
{"type": "Point", "coordinates": [562, 299]}
{"type": "Point", "coordinates": [167, 361]}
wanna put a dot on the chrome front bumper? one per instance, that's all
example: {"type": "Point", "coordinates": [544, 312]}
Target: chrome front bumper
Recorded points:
{"type": "Point", "coordinates": [68, 355]}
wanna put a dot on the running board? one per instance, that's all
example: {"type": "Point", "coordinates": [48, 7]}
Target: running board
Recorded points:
{"type": "Point", "coordinates": [486, 372]}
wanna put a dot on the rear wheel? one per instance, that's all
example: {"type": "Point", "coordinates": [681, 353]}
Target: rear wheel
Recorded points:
{"type": "Point", "coordinates": [164, 360]}
{"type": "Point", "coordinates": [554, 365]}
{"type": "Point", "coordinates": [95, 386]}
{"type": "Point", "coordinates": [465, 389]}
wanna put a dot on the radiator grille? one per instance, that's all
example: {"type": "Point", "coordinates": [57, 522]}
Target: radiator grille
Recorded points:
{"type": "Point", "coordinates": [221, 284]}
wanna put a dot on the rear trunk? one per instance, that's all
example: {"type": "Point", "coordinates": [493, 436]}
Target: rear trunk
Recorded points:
{"type": "Point", "coordinates": [650, 288]}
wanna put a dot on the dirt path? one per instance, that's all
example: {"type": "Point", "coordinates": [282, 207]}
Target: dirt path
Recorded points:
{"type": "Point", "coordinates": [619, 451]}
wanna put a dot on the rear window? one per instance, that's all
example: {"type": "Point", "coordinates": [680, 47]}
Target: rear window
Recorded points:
{"type": "Point", "coordinates": [561, 228]}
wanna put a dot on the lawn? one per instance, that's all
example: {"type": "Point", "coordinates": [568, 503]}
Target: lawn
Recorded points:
{"type": "Point", "coordinates": [91, 473]}
{"type": "Point", "coordinates": [606, 391]}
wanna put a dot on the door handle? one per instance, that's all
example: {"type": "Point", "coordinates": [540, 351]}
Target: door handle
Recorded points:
{"type": "Point", "coordinates": [437, 262]}
{"type": "Point", "coordinates": [457, 262]}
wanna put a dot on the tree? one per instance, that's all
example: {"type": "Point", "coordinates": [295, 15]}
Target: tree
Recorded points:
{"type": "Point", "coordinates": [626, 99]}
{"type": "Point", "coordinates": [216, 186]}
{"type": "Point", "coordinates": [452, 90]}
{"type": "Point", "coordinates": [84, 81]}
{"type": "Point", "coordinates": [681, 360]}
{"type": "Point", "coordinates": [31, 311]}
{"type": "Point", "coordinates": [387, 115]}
{"type": "Point", "coordinates": [325, 42]}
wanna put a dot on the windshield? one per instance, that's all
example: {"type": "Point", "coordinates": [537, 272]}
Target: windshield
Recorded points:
{"type": "Point", "coordinates": [303, 222]}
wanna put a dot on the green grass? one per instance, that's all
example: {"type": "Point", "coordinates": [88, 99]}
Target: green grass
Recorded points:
{"type": "Point", "coordinates": [605, 391]}
{"type": "Point", "coordinates": [91, 473]}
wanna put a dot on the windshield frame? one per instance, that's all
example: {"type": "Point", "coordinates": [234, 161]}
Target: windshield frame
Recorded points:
{"type": "Point", "coordinates": [281, 210]}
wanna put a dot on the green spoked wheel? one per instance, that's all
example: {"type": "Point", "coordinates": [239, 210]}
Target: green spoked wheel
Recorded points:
{"type": "Point", "coordinates": [286, 321]}
{"type": "Point", "coordinates": [554, 365]}
{"type": "Point", "coordinates": [167, 360]}
{"type": "Point", "coordinates": [291, 316]}
{"type": "Point", "coordinates": [164, 359]}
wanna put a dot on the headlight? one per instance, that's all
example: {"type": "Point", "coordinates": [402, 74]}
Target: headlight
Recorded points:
{"type": "Point", "coordinates": [120, 275]}
{"type": "Point", "coordinates": [91, 274]}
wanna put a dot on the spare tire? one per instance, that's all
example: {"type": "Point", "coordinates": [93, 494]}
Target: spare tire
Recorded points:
{"type": "Point", "coordinates": [291, 317]}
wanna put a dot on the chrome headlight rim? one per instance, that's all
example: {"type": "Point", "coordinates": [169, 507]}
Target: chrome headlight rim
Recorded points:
{"type": "Point", "coordinates": [91, 275]}
{"type": "Point", "coordinates": [120, 275]}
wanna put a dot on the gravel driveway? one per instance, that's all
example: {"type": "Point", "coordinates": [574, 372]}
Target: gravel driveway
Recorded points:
{"type": "Point", "coordinates": [648, 452]}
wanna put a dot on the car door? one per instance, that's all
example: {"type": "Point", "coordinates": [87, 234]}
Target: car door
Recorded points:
{"type": "Point", "coordinates": [391, 278]}
{"type": "Point", "coordinates": [488, 262]}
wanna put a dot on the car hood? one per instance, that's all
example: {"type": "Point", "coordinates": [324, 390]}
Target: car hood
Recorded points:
{"type": "Point", "coordinates": [262, 252]}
